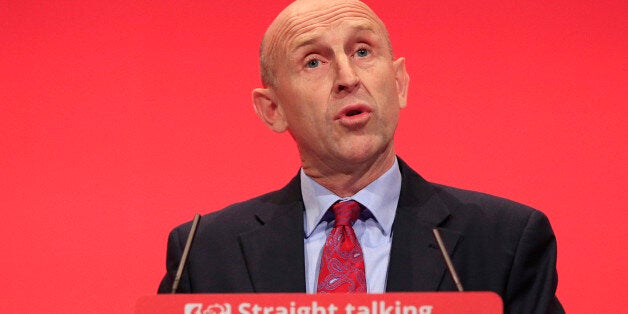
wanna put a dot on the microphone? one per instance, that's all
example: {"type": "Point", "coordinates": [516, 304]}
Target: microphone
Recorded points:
{"type": "Point", "coordinates": [450, 265]}
{"type": "Point", "coordinates": [186, 252]}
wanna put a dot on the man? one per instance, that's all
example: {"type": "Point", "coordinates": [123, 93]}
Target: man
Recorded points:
{"type": "Point", "coordinates": [330, 79]}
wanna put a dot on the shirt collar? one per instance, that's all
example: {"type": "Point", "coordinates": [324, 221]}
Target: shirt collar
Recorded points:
{"type": "Point", "coordinates": [380, 197]}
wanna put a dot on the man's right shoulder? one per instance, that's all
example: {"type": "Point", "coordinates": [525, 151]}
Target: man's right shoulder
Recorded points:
{"type": "Point", "coordinates": [245, 215]}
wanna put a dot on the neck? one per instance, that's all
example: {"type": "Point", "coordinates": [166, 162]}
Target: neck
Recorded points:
{"type": "Point", "coordinates": [347, 178]}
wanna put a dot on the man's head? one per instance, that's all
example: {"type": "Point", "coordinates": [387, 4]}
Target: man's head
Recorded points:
{"type": "Point", "coordinates": [331, 81]}
{"type": "Point", "coordinates": [268, 55]}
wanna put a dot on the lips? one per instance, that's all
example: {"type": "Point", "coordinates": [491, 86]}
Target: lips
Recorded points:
{"type": "Point", "coordinates": [353, 115]}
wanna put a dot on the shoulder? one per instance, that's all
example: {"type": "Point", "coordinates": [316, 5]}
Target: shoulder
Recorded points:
{"type": "Point", "coordinates": [460, 205]}
{"type": "Point", "coordinates": [486, 217]}
{"type": "Point", "coordinates": [481, 203]}
{"type": "Point", "coordinates": [248, 214]}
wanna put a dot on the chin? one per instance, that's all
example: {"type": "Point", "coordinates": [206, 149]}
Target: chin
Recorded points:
{"type": "Point", "coordinates": [367, 151]}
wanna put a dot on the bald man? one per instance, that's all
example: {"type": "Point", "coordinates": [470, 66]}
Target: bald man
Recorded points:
{"type": "Point", "coordinates": [330, 79]}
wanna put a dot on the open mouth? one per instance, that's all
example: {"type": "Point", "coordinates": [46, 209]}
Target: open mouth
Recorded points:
{"type": "Point", "coordinates": [354, 112]}
{"type": "Point", "coordinates": [354, 116]}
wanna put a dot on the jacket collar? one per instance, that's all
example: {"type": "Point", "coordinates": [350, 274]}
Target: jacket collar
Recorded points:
{"type": "Point", "coordinates": [273, 252]}
{"type": "Point", "coordinates": [416, 263]}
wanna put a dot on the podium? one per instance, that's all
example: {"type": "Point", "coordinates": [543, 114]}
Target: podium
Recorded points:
{"type": "Point", "coordinates": [301, 303]}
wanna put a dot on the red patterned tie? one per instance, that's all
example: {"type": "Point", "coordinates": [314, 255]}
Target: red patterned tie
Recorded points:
{"type": "Point", "coordinates": [342, 263]}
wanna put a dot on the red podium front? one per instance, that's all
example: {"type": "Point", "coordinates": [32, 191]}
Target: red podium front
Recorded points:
{"type": "Point", "coordinates": [299, 303]}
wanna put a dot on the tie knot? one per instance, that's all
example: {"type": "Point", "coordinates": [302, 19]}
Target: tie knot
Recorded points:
{"type": "Point", "coordinates": [346, 212]}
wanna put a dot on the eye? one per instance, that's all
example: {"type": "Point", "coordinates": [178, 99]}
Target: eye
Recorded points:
{"type": "Point", "coordinates": [314, 63]}
{"type": "Point", "coordinates": [362, 52]}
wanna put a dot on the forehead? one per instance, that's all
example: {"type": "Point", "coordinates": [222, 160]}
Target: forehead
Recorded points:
{"type": "Point", "coordinates": [305, 21]}
{"type": "Point", "coordinates": [302, 38]}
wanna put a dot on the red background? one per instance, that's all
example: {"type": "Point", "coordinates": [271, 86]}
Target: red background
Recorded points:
{"type": "Point", "coordinates": [121, 119]}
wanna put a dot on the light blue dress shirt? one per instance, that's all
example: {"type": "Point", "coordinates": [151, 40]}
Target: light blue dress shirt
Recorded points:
{"type": "Point", "coordinates": [373, 229]}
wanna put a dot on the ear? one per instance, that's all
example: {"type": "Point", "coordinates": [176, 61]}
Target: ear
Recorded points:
{"type": "Point", "coordinates": [403, 80]}
{"type": "Point", "coordinates": [267, 109]}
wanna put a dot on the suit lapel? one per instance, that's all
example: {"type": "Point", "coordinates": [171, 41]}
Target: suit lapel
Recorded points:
{"type": "Point", "coordinates": [416, 263]}
{"type": "Point", "coordinates": [274, 252]}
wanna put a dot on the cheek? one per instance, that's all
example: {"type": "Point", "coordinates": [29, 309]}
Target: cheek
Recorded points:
{"type": "Point", "coordinates": [389, 91]}
{"type": "Point", "coordinates": [303, 113]}
{"type": "Point", "coordinates": [312, 98]}
{"type": "Point", "coordinates": [385, 94]}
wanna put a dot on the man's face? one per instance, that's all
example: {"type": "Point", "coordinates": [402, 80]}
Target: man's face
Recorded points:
{"type": "Point", "coordinates": [337, 88]}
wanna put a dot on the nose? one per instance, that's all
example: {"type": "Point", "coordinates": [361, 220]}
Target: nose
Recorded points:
{"type": "Point", "coordinates": [346, 77]}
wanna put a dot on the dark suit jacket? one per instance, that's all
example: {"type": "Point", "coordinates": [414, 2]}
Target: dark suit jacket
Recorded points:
{"type": "Point", "coordinates": [495, 245]}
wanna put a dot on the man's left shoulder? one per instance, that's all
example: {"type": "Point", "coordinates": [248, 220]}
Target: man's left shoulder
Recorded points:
{"type": "Point", "coordinates": [481, 201]}
{"type": "Point", "coordinates": [472, 209]}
